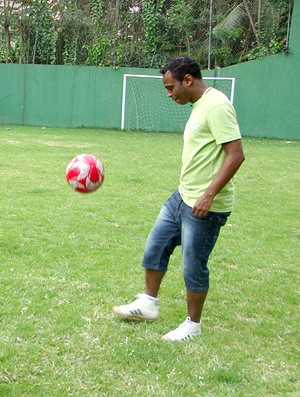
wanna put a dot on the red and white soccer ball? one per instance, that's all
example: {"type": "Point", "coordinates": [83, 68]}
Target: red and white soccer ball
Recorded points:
{"type": "Point", "coordinates": [85, 173]}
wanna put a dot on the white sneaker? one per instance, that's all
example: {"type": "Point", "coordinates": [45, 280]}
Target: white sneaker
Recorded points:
{"type": "Point", "coordinates": [187, 330]}
{"type": "Point", "coordinates": [143, 308]}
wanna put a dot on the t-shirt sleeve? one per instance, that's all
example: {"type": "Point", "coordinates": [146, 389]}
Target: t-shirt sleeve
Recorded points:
{"type": "Point", "coordinates": [222, 121]}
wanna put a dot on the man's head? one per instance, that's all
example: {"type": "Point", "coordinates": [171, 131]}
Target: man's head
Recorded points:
{"type": "Point", "coordinates": [181, 66]}
{"type": "Point", "coordinates": [183, 80]}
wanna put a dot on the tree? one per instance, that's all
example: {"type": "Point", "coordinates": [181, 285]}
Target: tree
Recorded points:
{"type": "Point", "coordinates": [259, 27]}
{"type": "Point", "coordinates": [141, 33]}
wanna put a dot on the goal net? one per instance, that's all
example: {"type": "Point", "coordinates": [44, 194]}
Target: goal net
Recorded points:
{"type": "Point", "coordinates": [145, 105]}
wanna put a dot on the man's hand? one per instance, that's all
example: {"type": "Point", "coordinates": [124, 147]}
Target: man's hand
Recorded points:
{"type": "Point", "coordinates": [233, 160]}
{"type": "Point", "coordinates": [203, 205]}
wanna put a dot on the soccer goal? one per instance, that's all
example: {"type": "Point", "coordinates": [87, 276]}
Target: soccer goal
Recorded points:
{"type": "Point", "coordinates": [145, 105]}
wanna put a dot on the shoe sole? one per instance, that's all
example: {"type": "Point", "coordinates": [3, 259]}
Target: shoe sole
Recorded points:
{"type": "Point", "coordinates": [131, 316]}
{"type": "Point", "coordinates": [187, 338]}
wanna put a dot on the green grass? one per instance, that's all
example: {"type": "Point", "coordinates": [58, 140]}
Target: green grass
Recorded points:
{"type": "Point", "coordinates": [67, 258]}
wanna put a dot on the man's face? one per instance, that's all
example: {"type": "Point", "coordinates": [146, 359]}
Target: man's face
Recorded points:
{"type": "Point", "coordinates": [178, 91]}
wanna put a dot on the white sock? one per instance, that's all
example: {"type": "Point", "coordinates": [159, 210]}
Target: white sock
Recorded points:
{"type": "Point", "coordinates": [151, 298]}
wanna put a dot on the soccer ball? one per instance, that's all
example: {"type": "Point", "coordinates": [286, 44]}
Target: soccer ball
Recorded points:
{"type": "Point", "coordinates": [85, 173]}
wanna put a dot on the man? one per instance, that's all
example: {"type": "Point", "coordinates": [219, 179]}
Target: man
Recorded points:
{"type": "Point", "coordinates": [193, 215]}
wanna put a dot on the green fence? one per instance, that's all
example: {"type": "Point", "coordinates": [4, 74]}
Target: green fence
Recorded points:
{"type": "Point", "coordinates": [60, 96]}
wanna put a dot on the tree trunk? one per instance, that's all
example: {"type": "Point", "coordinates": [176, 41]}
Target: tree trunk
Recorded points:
{"type": "Point", "coordinates": [6, 29]}
{"type": "Point", "coordinates": [252, 22]}
{"type": "Point", "coordinates": [260, 4]}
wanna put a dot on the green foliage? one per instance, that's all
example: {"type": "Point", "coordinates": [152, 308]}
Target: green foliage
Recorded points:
{"type": "Point", "coordinates": [149, 22]}
{"type": "Point", "coordinates": [227, 50]}
{"type": "Point", "coordinates": [261, 32]}
{"type": "Point", "coordinates": [97, 10]}
{"type": "Point", "coordinates": [97, 53]}
{"type": "Point", "coordinates": [141, 33]}
{"type": "Point", "coordinates": [150, 17]}
{"type": "Point", "coordinates": [274, 47]}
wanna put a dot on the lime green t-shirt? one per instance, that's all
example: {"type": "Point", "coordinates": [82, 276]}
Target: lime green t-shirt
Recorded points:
{"type": "Point", "coordinates": [212, 122]}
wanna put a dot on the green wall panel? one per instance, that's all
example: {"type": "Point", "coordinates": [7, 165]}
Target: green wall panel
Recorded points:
{"type": "Point", "coordinates": [72, 96]}
{"type": "Point", "coordinates": [267, 96]}
{"type": "Point", "coordinates": [11, 94]}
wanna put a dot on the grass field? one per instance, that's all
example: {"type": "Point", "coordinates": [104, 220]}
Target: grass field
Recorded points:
{"type": "Point", "coordinates": [67, 258]}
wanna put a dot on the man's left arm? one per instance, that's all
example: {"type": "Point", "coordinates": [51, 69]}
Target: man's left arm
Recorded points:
{"type": "Point", "coordinates": [233, 160]}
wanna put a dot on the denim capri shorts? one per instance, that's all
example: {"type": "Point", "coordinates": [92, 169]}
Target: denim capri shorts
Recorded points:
{"type": "Point", "coordinates": [177, 225]}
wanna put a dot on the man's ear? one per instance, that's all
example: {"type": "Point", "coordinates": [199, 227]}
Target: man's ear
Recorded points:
{"type": "Point", "coordinates": [188, 80]}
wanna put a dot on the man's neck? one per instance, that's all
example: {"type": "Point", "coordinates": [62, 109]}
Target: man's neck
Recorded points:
{"type": "Point", "coordinates": [199, 89]}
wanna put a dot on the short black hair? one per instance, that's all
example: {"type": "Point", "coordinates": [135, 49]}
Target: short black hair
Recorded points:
{"type": "Point", "coordinates": [182, 65]}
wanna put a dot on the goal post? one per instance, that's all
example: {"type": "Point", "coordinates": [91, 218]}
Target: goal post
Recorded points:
{"type": "Point", "coordinates": [145, 105]}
